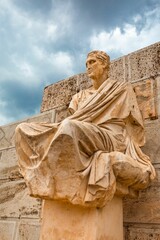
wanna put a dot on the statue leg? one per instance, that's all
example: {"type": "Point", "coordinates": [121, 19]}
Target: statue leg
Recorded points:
{"type": "Point", "coordinates": [56, 159]}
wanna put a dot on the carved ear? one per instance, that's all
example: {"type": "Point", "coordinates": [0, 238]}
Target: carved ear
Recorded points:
{"type": "Point", "coordinates": [104, 65]}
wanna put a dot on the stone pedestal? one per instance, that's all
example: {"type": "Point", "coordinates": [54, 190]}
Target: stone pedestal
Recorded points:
{"type": "Point", "coordinates": [63, 221]}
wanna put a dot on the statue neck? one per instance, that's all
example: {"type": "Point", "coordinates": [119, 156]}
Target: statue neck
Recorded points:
{"type": "Point", "coordinates": [98, 82]}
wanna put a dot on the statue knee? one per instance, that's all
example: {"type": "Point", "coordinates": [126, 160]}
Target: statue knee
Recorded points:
{"type": "Point", "coordinates": [67, 123]}
{"type": "Point", "coordinates": [20, 127]}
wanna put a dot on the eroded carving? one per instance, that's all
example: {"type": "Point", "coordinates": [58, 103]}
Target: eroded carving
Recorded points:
{"type": "Point", "coordinates": [93, 154]}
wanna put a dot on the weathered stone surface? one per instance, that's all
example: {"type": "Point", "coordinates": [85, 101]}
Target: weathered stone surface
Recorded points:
{"type": "Point", "coordinates": [7, 230]}
{"type": "Point", "coordinates": [77, 223]}
{"type": "Point", "coordinates": [146, 93]}
{"type": "Point", "coordinates": [83, 82]}
{"type": "Point", "coordinates": [117, 69]}
{"type": "Point", "coordinates": [48, 116]}
{"type": "Point", "coordinates": [15, 201]}
{"type": "Point", "coordinates": [146, 208]}
{"type": "Point", "coordinates": [28, 230]}
{"type": "Point", "coordinates": [7, 131]}
{"type": "Point", "coordinates": [61, 113]}
{"type": "Point", "coordinates": [7, 135]}
{"type": "Point", "coordinates": [8, 164]}
{"type": "Point", "coordinates": [59, 94]}
{"type": "Point", "coordinates": [158, 94]}
{"type": "Point", "coordinates": [142, 232]}
{"type": "Point", "coordinates": [152, 146]}
{"type": "Point", "coordinates": [145, 62]}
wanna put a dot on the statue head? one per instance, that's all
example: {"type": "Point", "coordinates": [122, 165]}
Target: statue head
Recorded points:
{"type": "Point", "coordinates": [97, 64]}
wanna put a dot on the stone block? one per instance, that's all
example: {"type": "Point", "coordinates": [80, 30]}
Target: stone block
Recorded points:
{"type": "Point", "coordinates": [142, 232]}
{"type": "Point", "coordinates": [15, 201]}
{"type": "Point", "coordinates": [28, 230]}
{"type": "Point", "coordinates": [145, 62]}
{"type": "Point", "coordinates": [47, 117]}
{"type": "Point", "coordinates": [7, 131]}
{"type": "Point", "coordinates": [146, 208]}
{"type": "Point", "coordinates": [146, 93]}
{"type": "Point", "coordinates": [61, 113]}
{"type": "Point", "coordinates": [83, 82]}
{"type": "Point", "coordinates": [158, 94]}
{"type": "Point", "coordinates": [117, 69]}
{"type": "Point", "coordinates": [66, 221]}
{"type": "Point", "coordinates": [8, 164]}
{"type": "Point", "coordinates": [7, 135]}
{"type": "Point", "coordinates": [58, 94]}
{"type": "Point", "coordinates": [152, 146]}
{"type": "Point", "coordinates": [7, 230]}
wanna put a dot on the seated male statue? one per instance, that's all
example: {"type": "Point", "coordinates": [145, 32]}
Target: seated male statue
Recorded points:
{"type": "Point", "coordinates": [94, 153]}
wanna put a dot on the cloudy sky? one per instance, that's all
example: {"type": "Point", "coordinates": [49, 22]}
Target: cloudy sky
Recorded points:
{"type": "Point", "coordinates": [44, 41]}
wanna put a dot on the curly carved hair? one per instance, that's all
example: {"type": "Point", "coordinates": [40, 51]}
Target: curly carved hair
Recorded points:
{"type": "Point", "coordinates": [100, 55]}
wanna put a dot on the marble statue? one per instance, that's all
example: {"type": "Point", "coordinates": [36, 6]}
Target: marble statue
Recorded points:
{"type": "Point", "coordinates": [94, 153]}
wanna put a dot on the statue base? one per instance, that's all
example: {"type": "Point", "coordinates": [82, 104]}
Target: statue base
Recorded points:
{"type": "Point", "coordinates": [64, 221]}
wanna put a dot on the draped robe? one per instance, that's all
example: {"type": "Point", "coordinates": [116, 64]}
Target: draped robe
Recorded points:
{"type": "Point", "coordinates": [92, 154]}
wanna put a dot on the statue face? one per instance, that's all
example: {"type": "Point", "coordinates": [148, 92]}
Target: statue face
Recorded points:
{"type": "Point", "coordinates": [95, 67]}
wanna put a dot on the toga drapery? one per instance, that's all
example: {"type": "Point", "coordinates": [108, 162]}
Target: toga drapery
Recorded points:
{"type": "Point", "coordinates": [91, 155]}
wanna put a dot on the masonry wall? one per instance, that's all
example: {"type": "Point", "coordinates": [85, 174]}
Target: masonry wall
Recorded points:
{"type": "Point", "coordinates": [20, 214]}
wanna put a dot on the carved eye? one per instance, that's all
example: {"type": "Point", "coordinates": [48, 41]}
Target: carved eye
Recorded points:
{"type": "Point", "coordinates": [92, 61]}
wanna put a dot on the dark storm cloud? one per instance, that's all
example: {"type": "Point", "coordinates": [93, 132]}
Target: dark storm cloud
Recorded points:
{"type": "Point", "coordinates": [20, 100]}
{"type": "Point", "coordinates": [87, 16]}
{"type": "Point", "coordinates": [35, 6]}
{"type": "Point", "coordinates": [43, 41]}
{"type": "Point", "coordinates": [110, 13]}
{"type": "Point", "coordinates": [91, 14]}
